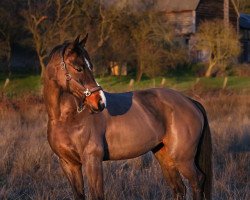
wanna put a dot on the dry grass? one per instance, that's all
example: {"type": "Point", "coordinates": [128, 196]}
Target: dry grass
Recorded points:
{"type": "Point", "coordinates": [29, 170]}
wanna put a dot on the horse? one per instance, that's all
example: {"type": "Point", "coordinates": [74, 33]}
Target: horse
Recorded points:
{"type": "Point", "coordinates": [87, 125]}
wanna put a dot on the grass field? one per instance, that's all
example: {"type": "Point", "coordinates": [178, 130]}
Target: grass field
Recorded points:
{"type": "Point", "coordinates": [29, 169]}
{"type": "Point", "coordinates": [26, 84]}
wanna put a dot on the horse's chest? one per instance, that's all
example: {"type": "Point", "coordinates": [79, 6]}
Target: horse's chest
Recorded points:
{"type": "Point", "coordinates": [68, 138]}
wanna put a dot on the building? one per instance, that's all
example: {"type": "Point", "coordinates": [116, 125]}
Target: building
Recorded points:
{"type": "Point", "coordinates": [245, 37]}
{"type": "Point", "coordinates": [187, 15]}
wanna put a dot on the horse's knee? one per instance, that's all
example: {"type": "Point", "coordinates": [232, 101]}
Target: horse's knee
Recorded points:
{"type": "Point", "coordinates": [179, 188]}
{"type": "Point", "coordinates": [195, 178]}
{"type": "Point", "coordinates": [198, 187]}
{"type": "Point", "coordinates": [94, 173]}
{"type": "Point", "coordinates": [78, 196]}
{"type": "Point", "coordinates": [179, 196]}
{"type": "Point", "coordinates": [171, 173]}
{"type": "Point", "coordinates": [197, 193]}
{"type": "Point", "coordinates": [201, 178]}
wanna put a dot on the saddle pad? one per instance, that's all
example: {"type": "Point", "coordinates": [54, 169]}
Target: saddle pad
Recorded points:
{"type": "Point", "coordinates": [118, 103]}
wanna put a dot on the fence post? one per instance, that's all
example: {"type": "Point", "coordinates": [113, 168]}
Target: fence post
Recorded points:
{"type": "Point", "coordinates": [163, 81]}
{"type": "Point", "coordinates": [225, 83]}
{"type": "Point", "coordinates": [131, 84]}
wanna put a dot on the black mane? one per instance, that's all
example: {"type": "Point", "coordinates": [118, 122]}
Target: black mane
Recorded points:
{"type": "Point", "coordinates": [57, 49]}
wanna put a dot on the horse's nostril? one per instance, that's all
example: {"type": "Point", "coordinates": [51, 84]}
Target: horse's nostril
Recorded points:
{"type": "Point", "coordinates": [101, 105]}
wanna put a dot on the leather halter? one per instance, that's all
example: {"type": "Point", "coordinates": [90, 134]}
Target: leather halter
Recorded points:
{"type": "Point", "coordinates": [86, 91]}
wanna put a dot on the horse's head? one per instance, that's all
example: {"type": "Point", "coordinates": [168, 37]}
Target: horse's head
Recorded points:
{"type": "Point", "coordinates": [71, 68]}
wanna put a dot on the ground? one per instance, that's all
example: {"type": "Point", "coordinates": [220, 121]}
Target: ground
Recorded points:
{"type": "Point", "coordinates": [29, 169]}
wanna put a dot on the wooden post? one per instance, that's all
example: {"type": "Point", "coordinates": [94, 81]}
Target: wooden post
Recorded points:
{"type": "Point", "coordinates": [195, 83]}
{"type": "Point", "coordinates": [131, 84]}
{"type": "Point", "coordinates": [163, 81]}
{"type": "Point", "coordinates": [154, 82]}
{"type": "Point", "coordinates": [225, 83]}
{"type": "Point", "coordinates": [7, 81]}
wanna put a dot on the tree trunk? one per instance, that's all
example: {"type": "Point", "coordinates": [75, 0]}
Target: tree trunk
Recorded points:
{"type": "Point", "coordinates": [209, 70]}
{"type": "Point", "coordinates": [9, 58]}
{"type": "Point", "coordinates": [226, 13]}
{"type": "Point", "coordinates": [139, 72]}
{"type": "Point", "coordinates": [42, 65]}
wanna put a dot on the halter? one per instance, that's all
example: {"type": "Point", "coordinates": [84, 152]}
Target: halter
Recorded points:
{"type": "Point", "coordinates": [86, 91]}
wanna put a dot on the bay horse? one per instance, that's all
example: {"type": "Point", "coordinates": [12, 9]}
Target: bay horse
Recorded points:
{"type": "Point", "coordinates": [87, 125]}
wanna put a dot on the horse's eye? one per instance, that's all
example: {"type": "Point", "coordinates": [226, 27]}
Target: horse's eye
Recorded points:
{"type": "Point", "coordinates": [77, 68]}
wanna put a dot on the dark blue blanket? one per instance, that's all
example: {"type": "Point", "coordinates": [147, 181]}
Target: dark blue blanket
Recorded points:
{"type": "Point", "coordinates": [118, 103]}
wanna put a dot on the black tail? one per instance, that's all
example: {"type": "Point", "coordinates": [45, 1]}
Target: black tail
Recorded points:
{"type": "Point", "coordinates": [204, 154]}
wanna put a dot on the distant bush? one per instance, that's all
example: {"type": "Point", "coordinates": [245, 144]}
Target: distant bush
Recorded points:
{"type": "Point", "coordinates": [242, 70]}
{"type": "Point", "coordinates": [187, 69]}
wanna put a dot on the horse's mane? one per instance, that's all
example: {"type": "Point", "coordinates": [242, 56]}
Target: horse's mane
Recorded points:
{"type": "Point", "coordinates": [57, 50]}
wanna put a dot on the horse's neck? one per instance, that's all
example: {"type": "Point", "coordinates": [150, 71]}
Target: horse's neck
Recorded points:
{"type": "Point", "coordinates": [52, 98]}
{"type": "Point", "coordinates": [60, 106]}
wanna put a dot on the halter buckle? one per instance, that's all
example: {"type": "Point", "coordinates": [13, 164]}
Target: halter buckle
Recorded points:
{"type": "Point", "coordinates": [87, 92]}
{"type": "Point", "coordinates": [68, 77]}
{"type": "Point", "coordinates": [63, 65]}
{"type": "Point", "coordinates": [80, 108]}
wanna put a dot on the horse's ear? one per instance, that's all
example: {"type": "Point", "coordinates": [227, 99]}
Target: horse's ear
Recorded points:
{"type": "Point", "coordinates": [84, 40]}
{"type": "Point", "coordinates": [76, 42]}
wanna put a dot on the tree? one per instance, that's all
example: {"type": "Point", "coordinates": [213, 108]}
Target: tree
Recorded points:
{"type": "Point", "coordinates": [51, 23]}
{"type": "Point", "coordinates": [219, 42]}
{"type": "Point", "coordinates": [140, 36]}
{"type": "Point", "coordinates": [243, 6]}
{"type": "Point", "coordinates": [99, 20]}
{"type": "Point", "coordinates": [10, 30]}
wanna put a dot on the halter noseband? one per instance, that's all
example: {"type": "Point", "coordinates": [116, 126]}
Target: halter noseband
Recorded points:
{"type": "Point", "coordinates": [86, 91]}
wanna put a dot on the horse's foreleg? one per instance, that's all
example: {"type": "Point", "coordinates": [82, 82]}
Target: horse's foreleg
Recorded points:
{"type": "Point", "coordinates": [74, 174]}
{"type": "Point", "coordinates": [94, 173]}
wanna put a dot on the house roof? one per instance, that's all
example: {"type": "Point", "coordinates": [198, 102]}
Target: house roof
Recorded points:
{"type": "Point", "coordinates": [245, 21]}
{"type": "Point", "coordinates": [176, 5]}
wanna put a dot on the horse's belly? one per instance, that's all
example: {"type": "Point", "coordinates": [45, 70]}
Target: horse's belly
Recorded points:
{"type": "Point", "coordinates": [133, 136]}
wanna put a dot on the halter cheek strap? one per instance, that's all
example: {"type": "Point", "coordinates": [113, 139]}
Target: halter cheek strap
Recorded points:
{"type": "Point", "coordinates": [84, 91]}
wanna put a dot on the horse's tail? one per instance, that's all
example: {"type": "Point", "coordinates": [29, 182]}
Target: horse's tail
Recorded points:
{"type": "Point", "coordinates": [204, 154]}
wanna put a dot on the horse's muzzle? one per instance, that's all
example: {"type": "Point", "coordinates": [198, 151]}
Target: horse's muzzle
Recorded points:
{"type": "Point", "coordinates": [100, 108]}
{"type": "Point", "coordinates": [101, 105]}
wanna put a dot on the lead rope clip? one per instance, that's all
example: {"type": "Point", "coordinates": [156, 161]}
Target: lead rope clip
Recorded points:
{"type": "Point", "coordinates": [80, 108]}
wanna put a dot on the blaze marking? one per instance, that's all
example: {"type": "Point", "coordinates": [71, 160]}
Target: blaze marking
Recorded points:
{"type": "Point", "coordinates": [87, 63]}
{"type": "Point", "coordinates": [103, 97]}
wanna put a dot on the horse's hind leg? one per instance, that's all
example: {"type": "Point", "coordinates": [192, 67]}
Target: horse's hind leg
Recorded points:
{"type": "Point", "coordinates": [170, 172]}
{"type": "Point", "coordinates": [194, 176]}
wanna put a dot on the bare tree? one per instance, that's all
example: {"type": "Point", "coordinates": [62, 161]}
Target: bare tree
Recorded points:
{"type": "Point", "coordinates": [10, 29]}
{"type": "Point", "coordinates": [243, 6]}
{"type": "Point", "coordinates": [5, 50]}
{"type": "Point", "coordinates": [51, 23]}
{"type": "Point", "coordinates": [156, 46]}
{"type": "Point", "coordinates": [219, 42]}
{"type": "Point", "coordinates": [99, 19]}
{"type": "Point", "coordinates": [130, 35]}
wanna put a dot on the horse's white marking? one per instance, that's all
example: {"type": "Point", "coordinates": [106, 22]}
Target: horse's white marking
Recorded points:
{"type": "Point", "coordinates": [87, 63]}
{"type": "Point", "coordinates": [102, 96]}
